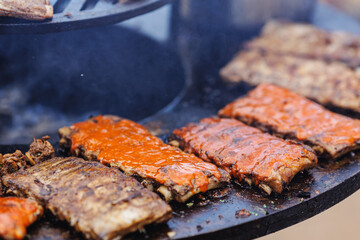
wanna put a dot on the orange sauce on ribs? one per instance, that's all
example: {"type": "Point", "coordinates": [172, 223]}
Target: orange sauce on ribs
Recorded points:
{"type": "Point", "coordinates": [246, 152]}
{"type": "Point", "coordinates": [129, 145]}
{"type": "Point", "coordinates": [15, 215]}
{"type": "Point", "coordinates": [288, 113]}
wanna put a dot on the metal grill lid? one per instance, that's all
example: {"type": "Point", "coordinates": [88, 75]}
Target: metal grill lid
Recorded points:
{"type": "Point", "coordinates": [78, 14]}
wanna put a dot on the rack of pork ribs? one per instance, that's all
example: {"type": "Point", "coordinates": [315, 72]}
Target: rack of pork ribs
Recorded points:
{"type": "Point", "coordinates": [118, 177]}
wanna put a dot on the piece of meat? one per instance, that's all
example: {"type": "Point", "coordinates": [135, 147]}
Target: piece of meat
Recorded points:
{"type": "Point", "coordinates": [29, 9]}
{"type": "Point", "coordinates": [98, 201]}
{"type": "Point", "coordinates": [40, 150]}
{"type": "Point", "coordinates": [129, 146]}
{"type": "Point", "coordinates": [304, 40]}
{"type": "Point", "coordinates": [12, 162]}
{"type": "Point", "coordinates": [16, 215]}
{"type": "Point", "coordinates": [287, 114]}
{"type": "Point", "coordinates": [245, 152]}
{"type": "Point", "coordinates": [9, 163]}
{"type": "Point", "coordinates": [331, 84]}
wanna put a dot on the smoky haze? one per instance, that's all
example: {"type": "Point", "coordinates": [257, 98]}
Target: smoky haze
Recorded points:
{"type": "Point", "coordinates": [48, 81]}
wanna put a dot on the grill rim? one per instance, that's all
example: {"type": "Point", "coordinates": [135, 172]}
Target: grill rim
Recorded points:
{"type": "Point", "coordinates": [101, 14]}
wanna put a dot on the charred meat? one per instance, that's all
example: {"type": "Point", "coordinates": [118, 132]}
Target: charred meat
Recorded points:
{"type": "Point", "coordinates": [308, 41]}
{"type": "Point", "coordinates": [40, 150]}
{"type": "Point", "coordinates": [99, 201]}
{"type": "Point", "coordinates": [245, 152]}
{"type": "Point", "coordinates": [16, 215]}
{"type": "Point", "coordinates": [12, 162]}
{"type": "Point", "coordinates": [29, 9]}
{"type": "Point", "coordinates": [287, 114]}
{"type": "Point", "coordinates": [331, 84]}
{"type": "Point", "coordinates": [129, 146]}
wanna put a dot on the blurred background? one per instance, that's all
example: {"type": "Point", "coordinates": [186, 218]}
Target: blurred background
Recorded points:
{"type": "Point", "coordinates": [352, 7]}
{"type": "Point", "coordinates": [339, 222]}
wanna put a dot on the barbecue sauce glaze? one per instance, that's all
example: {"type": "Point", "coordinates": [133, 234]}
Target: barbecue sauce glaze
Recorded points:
{"type": "Point", "coordinates": [246, 152]}
{"type": "Point", "coordinates": [15, 215]}
{"type": "Point", "coordinates": [130, 146]}
{"type": "Point", "coordinates": [288, 113]}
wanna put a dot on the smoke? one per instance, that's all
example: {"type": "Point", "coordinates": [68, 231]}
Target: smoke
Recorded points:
{"type": "Point", "coordinates": [51, 80]}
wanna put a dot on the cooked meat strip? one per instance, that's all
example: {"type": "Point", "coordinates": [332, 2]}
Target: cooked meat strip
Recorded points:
{"type": "Point", "coordinates": [245, 152]}
{"type": "Point", "coordinates": [331, 84]}
{"type": "Point", "coordinates": [16, 215]}
{"type": "Point", "coordinates": [29, 9]}
{"type": "Point", "coordinates": [290, 115]}
{"type": "Point", "coordinates": [40, 150]}
{"type": "Point", "coordinates": [308, 41]}
{"type": "Point", "coordinates": [11, 162]}
{"type": "Point", "coordinates": [99, 201]}
{"type": "Point", "coordinates": [129, 146]}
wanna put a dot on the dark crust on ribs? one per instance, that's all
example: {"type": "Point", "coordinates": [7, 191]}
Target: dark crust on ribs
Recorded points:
{"type": "Point", "coordinates": [40, 150]}
{"type": "Point", "coordinates": [99, 201]}
{"type": "Point", "coordinates": [12, 162]}
{"type": "Point", "coordinates": [246, 152]}
{"type": "Point", "coordinates": [308, 41]}
{"type": "Point", "coordinates": [247, 113]}
{"type": "Point", "coordinates": [29, 9]}
{"type": "Point", "coordinates": [331, 84]}
{"type": "Point", "coordinates": [168, 190]}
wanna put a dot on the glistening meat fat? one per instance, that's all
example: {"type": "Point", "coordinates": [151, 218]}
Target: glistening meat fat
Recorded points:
{"type": "Point", "coordinates": [129, 146]}
{"type": "Point", "coordinates": [99, 201]}
{"type": "Point", "coordinates": [287, 114]}
{"type": "Point", "coordinates": [245, 152]}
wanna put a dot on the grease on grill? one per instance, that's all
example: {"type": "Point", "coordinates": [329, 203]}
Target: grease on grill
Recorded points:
{"type": "Point", "coordinates": [242, 213]}
{"type": "Point", "coordinates": [219, 193]}
{"type": "Point", "coordinates": [199, 228]}
{"type": "Point", "coordinates": [303, 194]}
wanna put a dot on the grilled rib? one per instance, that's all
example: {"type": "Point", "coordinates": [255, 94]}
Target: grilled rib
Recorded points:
{"type": "Point", "coordinates": [245, 152]}
{"type": "Point", "coordinates": [308, 41]}
{"type": "Point", "coordinates": [331, 84]}
{"type": "Point", "coordinates": [287, 114]}
{"type": "Point", "coordinates": [16, 215]}
{"type": "Point", "coordinates": [129, 146]}
{"type": "Point", "coordinates": [40, 150]}
{"type": "Point", "coordinates": [26, 9]}
{"type": "Point", "coordinates": [99, 201]}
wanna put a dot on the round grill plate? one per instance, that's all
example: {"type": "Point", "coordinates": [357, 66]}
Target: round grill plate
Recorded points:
{"type": "Point", "coordinates": [79, 14]}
